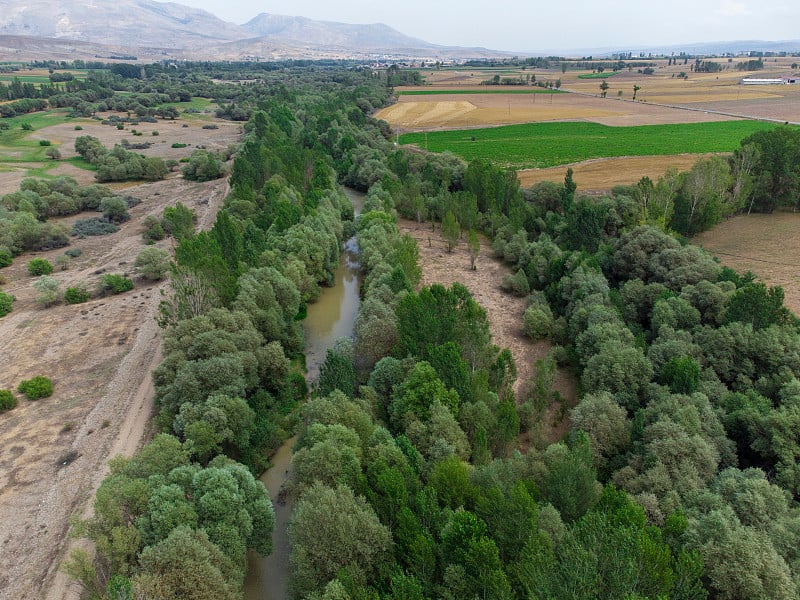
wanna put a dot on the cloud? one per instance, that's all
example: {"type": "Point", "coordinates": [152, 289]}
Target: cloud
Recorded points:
{"type": "Point", "coordinates": [734, 9]}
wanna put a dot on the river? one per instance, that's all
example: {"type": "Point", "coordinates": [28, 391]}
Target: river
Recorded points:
{"type": "Point", "coordinates": [331, 317]}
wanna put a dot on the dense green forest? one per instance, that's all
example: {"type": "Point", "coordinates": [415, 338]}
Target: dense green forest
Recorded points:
{"type": "Point", "coordinates": [679, 476]}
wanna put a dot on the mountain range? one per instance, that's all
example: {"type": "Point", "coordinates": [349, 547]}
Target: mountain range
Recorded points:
{"type": "Point", "coordinates": [167, 29]}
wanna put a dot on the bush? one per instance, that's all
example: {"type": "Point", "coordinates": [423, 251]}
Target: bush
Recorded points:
{"type": "Point", "coordinates": [7, 400]}
{"type": "Point", "coordinates": [537, 322]}
{"type": "Point", "coordinates": [76, 295]}
{"type": "Point", "coordinates": [26, 127]}
{"type": "Point", "coordinates": [115, 209]}
{"type": "Point", "coordinates": [74, 252]}
{"type": "Point", "coordinates": [179, 145]}
{"type": "Point", "coordinates": [152, 263]}
{"type": "Point", "coordinates": [6, 302]}
{"type": "Point", "coordinates": [62, 262]}
{"type": "Point", "coordinates": [154, 133]}
{"type": "Point", "coordinates": [44, 142]}
{"type": "Point", "coordinates": [36, 387]}
{"type": "Point", "coordinates": [116, 284]}
{"type": "Point", "coordinates": [78, 128]}
{"type": "Point", "coordinates": [203, 166]}
{"type": "Point", "coordinates": [211, 126]}
{"type": "Point", "coordinates": [39, 266]}
{"type": "Point", "coordinates": [5, 257]}
{"type": "Point", "coordinates": [48, 290]}
{"type": "Point", "coordinates": [93, 226]}
{"type": "Point", "coordinates": [153, 231]}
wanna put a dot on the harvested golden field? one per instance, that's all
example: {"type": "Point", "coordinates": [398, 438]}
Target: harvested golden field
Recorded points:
{"type": "Point", "coordinates": [602, 174]}
{"type": "Point", "coordinates": [461, 111]}
{"type": "Point", "coordinates": [767, 245]}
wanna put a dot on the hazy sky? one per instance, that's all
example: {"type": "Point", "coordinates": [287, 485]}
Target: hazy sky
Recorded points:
{"type": "Point", "coordinates": [538, 26]}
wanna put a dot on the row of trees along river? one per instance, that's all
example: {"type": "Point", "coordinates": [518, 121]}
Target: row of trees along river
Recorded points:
{"type": "Point", "coordinates": [678, 478]}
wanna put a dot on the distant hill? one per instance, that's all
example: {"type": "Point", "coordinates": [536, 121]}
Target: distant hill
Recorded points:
{"type": "Point", "coordinates": [120, 23]}
{"type": "Point", "coordinates": [299, 30]}
{"type": "Point", "coordinates": [169, 29]}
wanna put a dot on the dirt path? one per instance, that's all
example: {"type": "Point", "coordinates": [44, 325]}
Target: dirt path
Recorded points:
{"type": "Point", "coordinates": [503, 310]}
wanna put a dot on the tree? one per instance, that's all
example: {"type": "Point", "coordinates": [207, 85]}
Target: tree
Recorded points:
{"type": "Point", "coordinates": [474, 246]}
{"type": "Point", "coordinates": [636, 88]}
{"type": "Point", "coordinates": [604, 88]}
{"type": "Point", "coordinates": [451, 231]}
{"type": "Point", "coordinates": [187, 565]}
{"type": "Point", "coordinates": [53, 153]}
{"type": "Point", "coordinates": [332, 529]}
{"type": "Point", "coordinates": [757, 305]}
{"type": "Point", "coordinates": [115, 209]}
{"type": "Point", "coordinates": [152, 263]}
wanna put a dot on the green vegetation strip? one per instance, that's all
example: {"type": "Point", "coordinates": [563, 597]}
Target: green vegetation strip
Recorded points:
{"type": "Point", "coordinates": [603, 75]}
{"type": "Point", "coordinates": [540, 145]}
{"type": "Point", "coordinates": [491, 90]}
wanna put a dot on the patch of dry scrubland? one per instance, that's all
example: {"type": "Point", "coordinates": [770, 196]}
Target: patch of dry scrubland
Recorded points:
{"type": "Point", "coordinates": [53, 452]}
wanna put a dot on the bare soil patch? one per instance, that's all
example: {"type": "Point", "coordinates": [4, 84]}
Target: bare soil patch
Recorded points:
{"type": "Point", "coordinates": [602, 174]}
{"type": "Point", "coordinates": [504, 313]}
{"type": "Point", "coordinates": [54, 452]}
{"type": "Point", "coordinates": [767, 245]}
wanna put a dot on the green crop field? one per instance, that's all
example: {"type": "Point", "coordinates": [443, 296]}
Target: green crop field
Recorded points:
{"type": "Point", "coordinates": [539, 145]}
{"type": "Point", "coordinates": [603, 75]}
{"type": "Point", "coordinates": [489, 90]}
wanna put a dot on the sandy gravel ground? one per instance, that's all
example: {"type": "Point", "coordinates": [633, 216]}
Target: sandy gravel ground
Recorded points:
{"type": "Point", "coordinates": [503, 310]}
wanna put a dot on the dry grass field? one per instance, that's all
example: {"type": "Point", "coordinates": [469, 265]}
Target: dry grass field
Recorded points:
{"type": "Point", "coordinates": [767, 245]}
{"type": "Point", "coordinates": [462, 111]}
{"type": "Point", "coordinates": [53, 452]}
{"type": "Point", "coordinates": [602, 174]}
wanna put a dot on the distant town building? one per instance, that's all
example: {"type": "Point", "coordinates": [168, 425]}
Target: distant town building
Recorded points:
{"type": "Point", "coordinates": [770, 80]}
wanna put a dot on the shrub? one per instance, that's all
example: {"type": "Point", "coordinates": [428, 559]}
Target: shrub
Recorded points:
{"type": "Point", "coordinates": [5, 257]}
{"type": "Point", "coordinates": [6, 302]}
{"type": "Point", "coordinates": [53, 153]}
{"type": "Point", "coordinates": [62, 262]}
{"type": "Point", "coordinates": [154, 133]}
{"type": "Point", "coordinates": [179, 145]}
{"type": "Point", "coordinates": [115, 209]}
{"type": "Point", "coordinates": [39, 266]}
{"type": "Point", "coordinates": [48, 290]}
{"type": "Point", "coordinates": [44, 142]}
{"type": "Point", "coordinates": [78, 128]}
{"type": "Point", "coordinates": [74, 252]}
{"type": "Point", "coordinates": [26, 127]}
{"type": "Point", "coordinates": [516, 284]}
{"type": "Point", "coordinates": [7, 400]}
{"type": "Point", "coordinates": [538, 321]}
{"type": "Point", "coordinates": [93, 226]}
{"type": "Point", "coordinates": [116, 284]}
{"type": "Point", "coordinates": [76, 295]}
{"type": "Point", "coordinates": [36, 387]}
{"type": "Point", "coordinates": [152, 263]}
{"type": "Point", "coordinates": [210, 126]}
{"type": "Point", "coordinates": [153, 230]}
{"type": "Point", "coordinates": [203, 166]}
